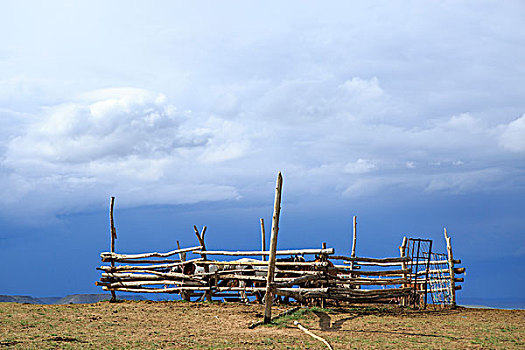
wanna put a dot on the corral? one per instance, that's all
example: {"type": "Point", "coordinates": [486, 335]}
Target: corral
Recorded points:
{"type": "Point", "coordinates": [308, 276]}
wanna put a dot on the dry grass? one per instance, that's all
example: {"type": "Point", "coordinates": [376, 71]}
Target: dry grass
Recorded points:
{"type": "Point", "coordinates": [180, 325]}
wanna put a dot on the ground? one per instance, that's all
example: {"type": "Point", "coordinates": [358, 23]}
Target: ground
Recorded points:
{"type": "Point", "coordinates": [183, 325]}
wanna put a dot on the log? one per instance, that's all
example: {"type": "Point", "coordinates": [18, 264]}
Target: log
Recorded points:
{"type": "Point", "coordinates": [354, 240]}
{"type": "Point", "coordinates": [438, 262]}
{"type": "Point", "coordinates": [459, 270]}
{"type": "Point", "coordinates": [182, 256]}
{"type": "Point", "coordinates": [145, 268]}
{"type": "Point", "coordinates": [431, 272]}
{"type": "Point", "coordinates": [273, 249]}
{"type": "Point", "coordinates": [299, 280]}
{"type": "Point", "coordinates": [375, 282]}
{"type": "Point", "coordinates": [459, 279]}
{"type": "Point", "coordinates": [204, 257]}
{"type": "Point", "coordinates": [403, 254]}
{"type": "Point", "coordinates": [113, 237]}
{"type": "Point", "coordinates": [110, 255]}
{"type": "Point", "coordinates": [355, 264]}
{"type": "Point", "coordinates": [129, 284]}
{"type": "Point", "coordinates": [451, 268]}
{"type": "Point", "coordinates": [313, 335]}
{"type": "Point", "coordinates": [266, 253]}
{"type": "Point", "coordinates": [156, 290]}
{"type": "Point", "coordinates": [363, 259]}
{"type": "Point", "coordinates": [263, 239]}
{"type": "Point", "coordinates": [154, 276]}
{"type": "Point", "coordinates": [145, 261]}
{"type": "Point", "coordinates": [264, 264]}
{"type": "Point", "coordinates": [370, 273]}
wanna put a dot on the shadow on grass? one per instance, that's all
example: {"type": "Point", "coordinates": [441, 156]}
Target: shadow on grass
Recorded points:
{"type": "Point", "coordinates": [325, 321]}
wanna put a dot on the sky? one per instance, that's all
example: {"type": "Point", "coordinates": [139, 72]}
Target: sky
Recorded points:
{"type": "Point", "coordinates": [410, 115]}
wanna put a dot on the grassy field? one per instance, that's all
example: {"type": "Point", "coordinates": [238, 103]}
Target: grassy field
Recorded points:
{"type": "Point", "coordinates": [181, 325]}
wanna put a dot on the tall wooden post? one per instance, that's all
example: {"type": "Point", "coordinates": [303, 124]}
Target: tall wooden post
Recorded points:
{"type": "Point", "coordinates": [113, 234]}
{"type": "Point", "coordinates": [451, 269]}
{"type": "Point", "coordinates": [200, 237]}
{"type": "Point", "coordinates": [402, 253]}
{"type": "Point", "coordinates": [263, 239]}
{"type": "Point", "coordinates": [324, 258]}
{"type": "Point", "coordinates": [354, 240]}
{"type": "Point", "coordinates": [273, 248]}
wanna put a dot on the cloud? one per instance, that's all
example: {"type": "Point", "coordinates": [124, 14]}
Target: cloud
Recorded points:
{"type": "Point", "coordinates": [360, 166]}
{"type": "Point", "coordinates": [125, 141]}
{"type": "Point", "coordinates": [513, 136]}
{"type": "Point", "coordinates": [347, 100]}
{"type": "Point", "coordinates": [137, 145]}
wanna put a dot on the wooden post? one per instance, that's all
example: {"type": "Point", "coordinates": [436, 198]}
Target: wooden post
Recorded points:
{"type": "Point", "coordinates": [451, 269]}
{"type": "Point", "coordinates": [182, 256]}
{"type": "Point", "coordinates": [323, 258]}
{"type": "Point", "coordinates": [113, 234]}
{"type": "Point", "coordinates": [354, 239]}
{"type": "Point", "coordinates": [273, 248]}
{"type": "Point", "coordinates": [263, 239]}
{"type": "Point", "coordinates": [200, 237]}
{"type": "Point", "coordinates": [402, 253]}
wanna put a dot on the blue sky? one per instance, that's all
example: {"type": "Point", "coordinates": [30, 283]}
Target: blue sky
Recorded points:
{"type": "Point", "coordinates": [408, 114]}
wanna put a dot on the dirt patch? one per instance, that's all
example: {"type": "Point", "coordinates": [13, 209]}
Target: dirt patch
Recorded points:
{"type": "Point", "coordinates": [181, 325]}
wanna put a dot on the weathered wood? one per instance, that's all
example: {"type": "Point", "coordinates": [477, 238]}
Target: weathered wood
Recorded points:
{"type": "Point", "coordinates": [113, 237]}
{"type": "Point", "coordinates": [266, 253]}
{"type": "Point", "coordinates": [358, 264]}
{"type": "Point", "coordinates": [263, 240]}
{"type": "Point", "coordinates": [451, 268]}
{"type": "Point", "coordinates": [371, 260]}
{"type": "Point", "coordinates": [402, 253]}
{"type": "Point", "coordinates": [109, 255]}
{"type": "Point", "coordinates": [145, 261]}
{"type": "Point", "coordinates": [342, 271]}
{"type": "Point", "coordinates": [273, 249]}
{"type": "Point", "coordinates": [313, 335]}
{"type": "Point", "coordinates": [145, 268]}
{"type": "Point", "coordinates": [354, 240]}
{"type": "Point", "coordinates": [140, 276]}
{"type": "Point", "coordinates": [127, 284]}
{"type": "Point", "coordinates": [264, 264]}
{"type": "Point", "coordinates": [157, 290]}
{"type": "Point", "coordinates": [203, 256]}
{"type": "Point", "coordinates": [430, 272]}
{"type": "Point", "coordinates": [459, 270]}
{"type": "Point", "coordinates": [298, 280]}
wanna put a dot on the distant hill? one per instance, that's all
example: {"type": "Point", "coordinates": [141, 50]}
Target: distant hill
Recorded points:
{"type": "Point", "coordinates": [49, 300]}
{"type": "Point", "coordinates": [70, 299]}
{"type": "Point", "coordinates": [24, 299]}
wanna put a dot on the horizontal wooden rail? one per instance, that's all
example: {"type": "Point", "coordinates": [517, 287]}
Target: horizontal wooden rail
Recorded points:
{"type": "Point", "coordinates": [326, 251]}
{"type": "Point", "coordinates": [107, 256]}
{"type": "Point", "coordinates": [381, 264]}
{"type": "Point", "coordinates": [371, 260]}
{"type": "Point", "coordinates": [263, 263]}
{"type": "Point", "coordinates": [147, 267]}
{"type": "Point", "coordinates": [341, 271]}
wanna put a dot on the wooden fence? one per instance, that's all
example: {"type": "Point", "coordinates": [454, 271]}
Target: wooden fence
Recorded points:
{"type": "Point", "coordinates": [320, 276]}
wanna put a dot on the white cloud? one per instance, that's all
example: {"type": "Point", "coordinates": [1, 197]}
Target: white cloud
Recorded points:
{"type": "Point", "coordinates": [346, 99]}
{"type": "Point", "coordinates": [360, 166]}
{"type": "Point", "coordinates": [135, 143]}
{"type": "Point", "coordinates": [513, 136]}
